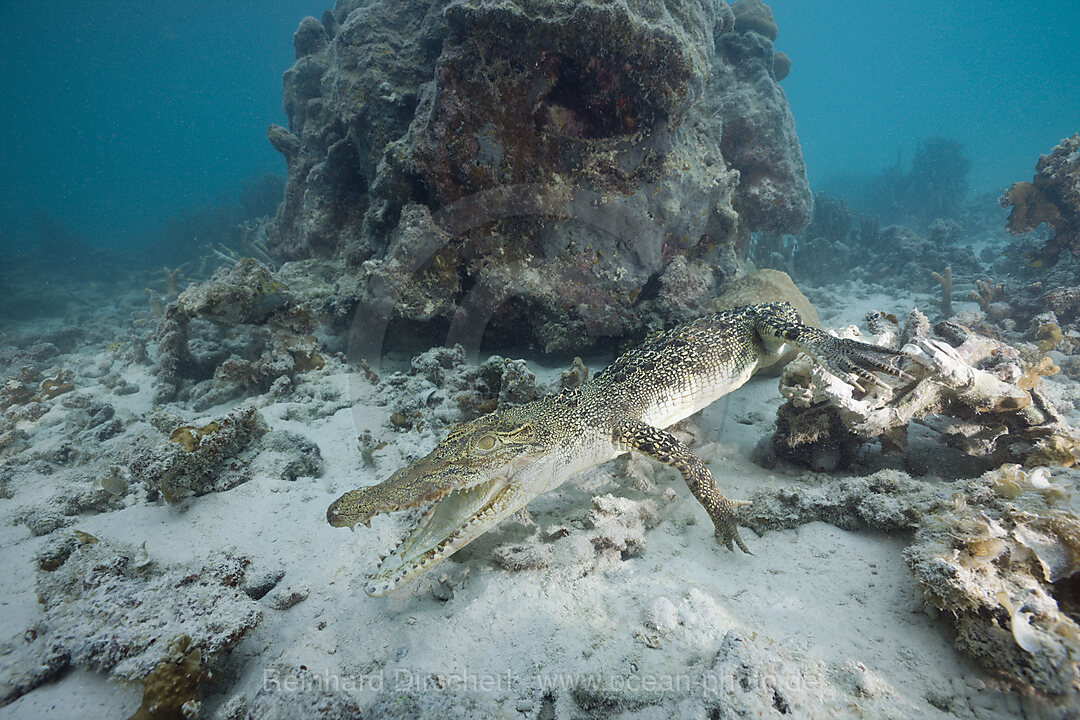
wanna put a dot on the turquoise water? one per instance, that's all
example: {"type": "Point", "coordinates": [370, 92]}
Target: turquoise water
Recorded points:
{"type": "Point", "coordinates": [119, 114]}
{"type": "Point", "coordinates": [870, 80]}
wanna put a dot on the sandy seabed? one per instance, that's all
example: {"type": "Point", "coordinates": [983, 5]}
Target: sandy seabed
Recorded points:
{"type": "Point", "coordinates": [610, 599]}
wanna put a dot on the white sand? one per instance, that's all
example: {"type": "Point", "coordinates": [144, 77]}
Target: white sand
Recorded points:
{"type": "Point", "coordinates": [836, 615]}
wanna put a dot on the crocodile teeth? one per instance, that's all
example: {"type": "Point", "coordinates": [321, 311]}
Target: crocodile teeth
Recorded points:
{"type": "Point", "coordinates": [445, 527]}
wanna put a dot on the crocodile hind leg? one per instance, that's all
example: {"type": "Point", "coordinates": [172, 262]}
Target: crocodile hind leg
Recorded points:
{"type": "Point", "coordinates": [664, 447]}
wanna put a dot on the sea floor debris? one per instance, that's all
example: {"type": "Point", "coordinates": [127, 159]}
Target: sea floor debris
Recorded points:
{"type": "Point", "coordinates": [614, 531]}
{"type": "Point", "coordinates": [111, 607]}
{"type": "Point", "coordinates": [975, 393]}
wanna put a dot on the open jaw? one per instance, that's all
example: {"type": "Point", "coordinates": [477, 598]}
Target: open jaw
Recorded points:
{"type": "Point", "coordinates": [446, 525]}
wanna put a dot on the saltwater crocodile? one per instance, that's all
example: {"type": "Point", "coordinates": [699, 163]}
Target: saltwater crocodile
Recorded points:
{"type": "Point", "coordinates": [490, 468]}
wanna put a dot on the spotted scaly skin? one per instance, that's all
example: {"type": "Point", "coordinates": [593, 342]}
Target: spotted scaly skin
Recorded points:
{"type": "Point", "coordinates": [490, 468]}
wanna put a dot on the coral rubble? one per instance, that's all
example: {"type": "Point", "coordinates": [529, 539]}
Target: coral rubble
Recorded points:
{"type": "Point", "coordinates": [998, 553]}
{"type": "Point", "coordinates": [269, 336]}
{"type": "Point", "coordinates": [214, 456]}
{"type": "Point", "coordinates": [110, 607]}
{"type": "Point", "coordinates": [441, 388]}
{"type": "Point", "coordinates": [887, 500]}
{"type": "Point", "coordinates": [896, 255]}
{"type": "Point", "coordinates": [21, 390]}
{"type": "Point", "coordinates": [1001, 556]}
{"type": "Point", "coordinates": [171, 690]}
{"type": "Point", "coordinates": [967, 388]}
{"type": "Point", "coordinates": [614, 532]}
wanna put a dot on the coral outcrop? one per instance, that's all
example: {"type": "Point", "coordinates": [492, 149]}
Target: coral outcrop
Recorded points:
{"type": "Point", "coordinates": [549, 159]}
{"type": "Point", "coordinates": [757, 16]}
{"type": "Point", "coordinates": [195, 460]}
{"type": "Point", "coordinates": [1052, 197]}
{"type": "Point", "coordinates": [240, 330]}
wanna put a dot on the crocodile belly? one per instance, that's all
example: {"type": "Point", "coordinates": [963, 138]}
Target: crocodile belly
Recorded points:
{"type": "Point", "coordinates": [674, 403]}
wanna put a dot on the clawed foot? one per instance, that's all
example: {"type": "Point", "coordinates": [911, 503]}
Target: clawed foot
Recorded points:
{"type": "Point", "coordinates": [856, 363]}
{"type": "Point", "coordinates": [727, 529]}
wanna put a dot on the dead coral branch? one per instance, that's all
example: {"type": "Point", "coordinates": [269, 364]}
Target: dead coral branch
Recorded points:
{"type": "Point", "coordinates": [945, 303]}
{"type": "Point", "coordinates": [986, 292]}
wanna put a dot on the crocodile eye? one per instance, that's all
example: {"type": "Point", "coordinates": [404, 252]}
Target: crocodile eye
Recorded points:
{"type": "Point", "coordinates": [485, 443]}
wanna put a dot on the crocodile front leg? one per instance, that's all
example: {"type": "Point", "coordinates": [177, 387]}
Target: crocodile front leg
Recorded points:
{"type": "Point", "coordinates": [850, 360]}
{"type": "Point", "coordinates": [664, 447]}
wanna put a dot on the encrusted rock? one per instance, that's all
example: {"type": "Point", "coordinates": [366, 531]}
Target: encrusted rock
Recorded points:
{"type": "Point", "coordinates": [547, 161]}
{"type": "Point", "coordinates": [258, 585]}
{"type": "Point", "coordinates": [195, 460]}
{"type": "Point", "coordinates": [104, 608]}
{"type": "Point", "coordinates": [44, 520]}
{"type": "Point", "coordinates": [30, 661]}
{"type": "Point", "coordinates": [1002, 558]}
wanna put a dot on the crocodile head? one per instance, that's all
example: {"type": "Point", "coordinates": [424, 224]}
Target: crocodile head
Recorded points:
{"type": "Point", "coordinates": [483, 472]}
